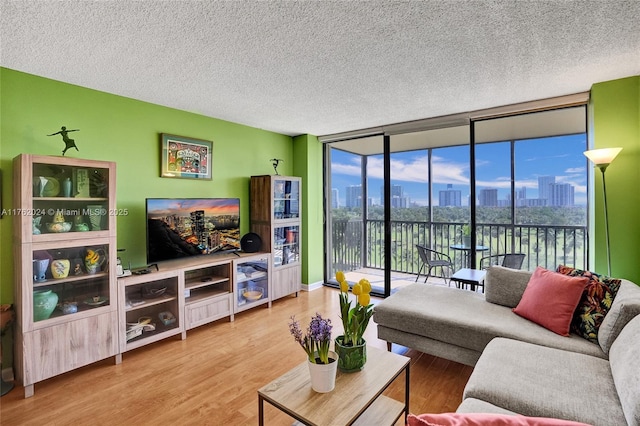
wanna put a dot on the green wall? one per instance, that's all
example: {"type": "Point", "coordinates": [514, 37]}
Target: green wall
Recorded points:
{"type": "Point", "coordinates": [126, 131]}
{"type": "Point", "coordinates": [615, 115]}
{"type": "Point", "coordinates": [307, 154]}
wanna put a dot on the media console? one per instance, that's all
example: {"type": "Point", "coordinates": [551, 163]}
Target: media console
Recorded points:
{"type": "Point", "coordinates": [187, 293]}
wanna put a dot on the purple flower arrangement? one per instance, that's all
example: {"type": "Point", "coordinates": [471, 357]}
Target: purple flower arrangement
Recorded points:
{"type": "Point", "coordinates": [316, 342]}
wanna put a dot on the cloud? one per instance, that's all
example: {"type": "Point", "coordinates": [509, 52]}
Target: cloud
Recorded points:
{"type": "Point", "coordinates": [575, 170]}
{"type": "Point", "coordinates": [347, 169]}
{"type": "Point", "coordinates": [447, 172]}
{"type": "Point", "coordinates": [417, 170]}
{"type": "Point", "coordinates": [546, 158]}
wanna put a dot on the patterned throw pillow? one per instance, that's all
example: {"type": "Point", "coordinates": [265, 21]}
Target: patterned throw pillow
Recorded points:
{"type": "Point", "coordinates": [595, 302]}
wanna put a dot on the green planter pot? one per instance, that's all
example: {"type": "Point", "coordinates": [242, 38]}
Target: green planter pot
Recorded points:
{"type": "Point", "coordinates": [350, 358]}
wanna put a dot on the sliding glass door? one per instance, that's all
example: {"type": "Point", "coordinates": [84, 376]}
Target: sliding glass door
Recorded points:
{"type": "Point", "coordinates": [513, 184]}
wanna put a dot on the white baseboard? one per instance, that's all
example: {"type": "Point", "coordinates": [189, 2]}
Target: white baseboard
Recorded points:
{"type": "Point", "coordinates": [7, 374]}
{"type": "Point", "coordinates": [312, 286]}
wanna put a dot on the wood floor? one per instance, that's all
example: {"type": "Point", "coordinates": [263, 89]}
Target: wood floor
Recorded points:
{"type": "Point", "coordinates": [212, 377]}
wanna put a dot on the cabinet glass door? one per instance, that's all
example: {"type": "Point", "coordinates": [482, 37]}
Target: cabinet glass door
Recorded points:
{"type": "Point", "coordinates": [69, 280]}
{"type": "Point", "coordinates": [252, 281]}
{"type": "Point", "coordinates": [69, 199]}
{"type": "Point", "coordinates": [286, 199]}
{"type": "Point", "coordinates": [286, 245]}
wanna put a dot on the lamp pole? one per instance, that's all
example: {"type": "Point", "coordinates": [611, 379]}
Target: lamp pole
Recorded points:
{"type": "Point", "coordinates": [602, 168]}
{"type": "Point", "coordinates": [602, 158]}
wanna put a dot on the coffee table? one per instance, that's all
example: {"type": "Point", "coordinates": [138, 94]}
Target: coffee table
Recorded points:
{"type": "Point", "coordinates": [356, 400]}
{"type": "Point", "coordinates": [473, 277]}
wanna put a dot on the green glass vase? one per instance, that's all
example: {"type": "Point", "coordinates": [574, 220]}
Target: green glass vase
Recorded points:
{"type": "Point", "coordinates": [350, 358]}
{"type": "Point", "coordinates": [44, 302]}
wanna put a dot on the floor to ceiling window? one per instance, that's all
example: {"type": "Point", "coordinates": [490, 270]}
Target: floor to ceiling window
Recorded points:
{"type": "Point", "coordinates": [519, 187]}
{"type": "Point", "coordinates": [531, 187]}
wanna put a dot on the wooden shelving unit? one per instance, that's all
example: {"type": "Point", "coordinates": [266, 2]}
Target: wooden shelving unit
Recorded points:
{"type": "Point", "coordinates": [81, 194]}
{"type": "Point", "coordinates": [276, 217]}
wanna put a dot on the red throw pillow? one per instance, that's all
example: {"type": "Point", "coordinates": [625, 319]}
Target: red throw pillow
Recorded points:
{"type": "Point", "coordinates": [550, 299]}
{"type": "Point", "coordinates": [485, 419]}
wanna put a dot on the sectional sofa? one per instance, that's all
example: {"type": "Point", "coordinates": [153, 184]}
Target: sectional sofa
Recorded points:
{"type": "Point", "coordinates": [521, 367]}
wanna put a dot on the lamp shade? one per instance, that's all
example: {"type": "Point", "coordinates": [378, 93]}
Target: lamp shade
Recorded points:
{"type": "Point", "coordinates": [602, 156]}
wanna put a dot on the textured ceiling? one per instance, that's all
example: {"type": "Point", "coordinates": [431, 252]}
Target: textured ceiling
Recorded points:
{"type": "Point", "coordinates": [324, 67]}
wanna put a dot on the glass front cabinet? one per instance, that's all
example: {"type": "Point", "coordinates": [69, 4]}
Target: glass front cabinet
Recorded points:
{"type": "Point", "coordinates": [276, 217]}
{"type": "Point", "coordinates": [252, 285]}
{"type": "Point", "coordinates": [64, 220]}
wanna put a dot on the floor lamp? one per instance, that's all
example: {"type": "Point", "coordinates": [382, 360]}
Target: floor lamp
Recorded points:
{"type": "Point", "coordinates": [602, 158]}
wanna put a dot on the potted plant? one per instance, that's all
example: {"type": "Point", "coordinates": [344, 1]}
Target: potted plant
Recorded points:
{"type": "Point", "coordinates": [466, 235]}
{"type": "Point", "coordinates": [322, 362]}
{"type": "Point", "coordinates": [351, 346]}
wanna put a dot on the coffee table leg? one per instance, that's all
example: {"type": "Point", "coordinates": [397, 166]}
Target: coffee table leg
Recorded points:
{"type": "Point", "coordinates": [406, 394]}
{"type": "Point", "coordinates": [260, 411]}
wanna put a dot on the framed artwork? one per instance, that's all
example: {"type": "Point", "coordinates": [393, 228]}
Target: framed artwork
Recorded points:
{"type": "Point", "coordinates": [186, 158]}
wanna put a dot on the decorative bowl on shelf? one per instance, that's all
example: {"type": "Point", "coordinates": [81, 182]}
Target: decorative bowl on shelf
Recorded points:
{"type": "Point", "coordinates": [167, 317]}
{"type": "Point", "coordinates": [252, 294]}
{"type": "Point", "coordinates": [152, 293]}
{"type": "Point", "coordinates": [59, 227]}
{"type": "Point", "coordinates": [96, 301]}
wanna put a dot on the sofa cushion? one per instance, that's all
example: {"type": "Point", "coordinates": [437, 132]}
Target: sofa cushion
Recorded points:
{"type": "Point", "coordinates": [504, 286]}
{"type": "Point", "coordinates": [625, 306]}
{"type": "Point", "coordinates": [464, 319]}
{"type": "Point", "coordinates": [623, 358]}
{"type": "Point", "coordinates": [474, 405]}
{"type": "Point", "coordinates": [595, 302]}
{"type": "Point", "coordinates": [550, 299]}
{"type": "Point", "coordinates": [485, 419]}
{"type": "Point", "coordinates": [538, 381]}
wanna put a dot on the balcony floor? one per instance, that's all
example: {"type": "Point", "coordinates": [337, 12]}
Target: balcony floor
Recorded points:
{"type": "Point", "coordinates": [398, 279]}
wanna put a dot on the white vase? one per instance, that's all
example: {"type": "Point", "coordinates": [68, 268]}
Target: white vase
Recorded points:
{"type": "Point", "coordinates": [323, 376]}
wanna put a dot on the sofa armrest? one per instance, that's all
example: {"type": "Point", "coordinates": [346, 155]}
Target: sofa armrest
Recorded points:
{"type": "Point", "coordinates": [504, 286]}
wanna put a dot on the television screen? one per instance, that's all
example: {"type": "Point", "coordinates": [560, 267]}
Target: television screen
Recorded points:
{"type": "Point", "coordinates": [182, 227]}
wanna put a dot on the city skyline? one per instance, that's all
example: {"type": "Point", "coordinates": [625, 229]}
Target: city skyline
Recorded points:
{"type": "Point", "coordinates": [558, 157]}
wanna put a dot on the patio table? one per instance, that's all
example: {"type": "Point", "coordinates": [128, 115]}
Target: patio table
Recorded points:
{"type": "Point", "coordinates": [466, 250]}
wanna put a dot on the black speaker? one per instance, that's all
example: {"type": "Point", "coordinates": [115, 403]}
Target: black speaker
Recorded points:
{"type": "Point", "coordinates": [250, 243]}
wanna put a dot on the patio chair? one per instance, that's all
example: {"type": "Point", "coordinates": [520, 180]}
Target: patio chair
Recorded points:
{"type": "Point", "coordinates": [509, 260]}
{"type": "Point", "coordinates": [433, 259]}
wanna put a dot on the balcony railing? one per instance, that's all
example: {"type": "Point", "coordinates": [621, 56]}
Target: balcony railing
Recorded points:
{"type": "Point", "coordinates": [358, 245]}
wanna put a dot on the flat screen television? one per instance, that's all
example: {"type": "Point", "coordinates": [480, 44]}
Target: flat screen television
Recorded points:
{"type": "Point", "coordinates": [183, 227]}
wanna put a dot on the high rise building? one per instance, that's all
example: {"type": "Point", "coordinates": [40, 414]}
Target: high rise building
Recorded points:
{"type": "Point", "coordinates": [354, 196]}
{"type": "Point", "coordinates": [488, 197]}
{"type": "Point", "coordinates": [544, 190]}
{"type": "Point", "coordinates": [398, 199]}
{"type": "Point", "coordinates": [450, 197]}
{"type": "Point", "coordinates": [561, 194]}
{"type": "Point", "coordinates": [335, 200]}
{"type": "Point", "coordinates": [198, 228]}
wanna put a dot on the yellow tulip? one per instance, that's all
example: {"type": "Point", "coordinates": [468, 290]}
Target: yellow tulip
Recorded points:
{"type": "Point", "coordinates": [340, 276]}
{"type": "Point", "coordinates": [344, 287]}
{"type": "Point", "coordinates": [357, 289]}
{"type": "Point", "coordinates": [366, 285]}
{"type": "Point", "coordinates": [364, 299]}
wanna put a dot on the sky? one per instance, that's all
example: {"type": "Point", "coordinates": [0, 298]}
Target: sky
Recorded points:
{"type": "Point", "coordinates": [211, 206]}
{"type": "Point", "coordinates": [559, 156]}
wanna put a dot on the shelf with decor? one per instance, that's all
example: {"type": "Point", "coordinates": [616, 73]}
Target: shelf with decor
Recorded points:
{"type": "Point", "coordinates": [65, 256]}
{"type": "Point", "coordinates": [252, 283]}
{"type": "Point", "coordinates": [276, 218]}
{"type": "Point", "coordinates": [150, 308]}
